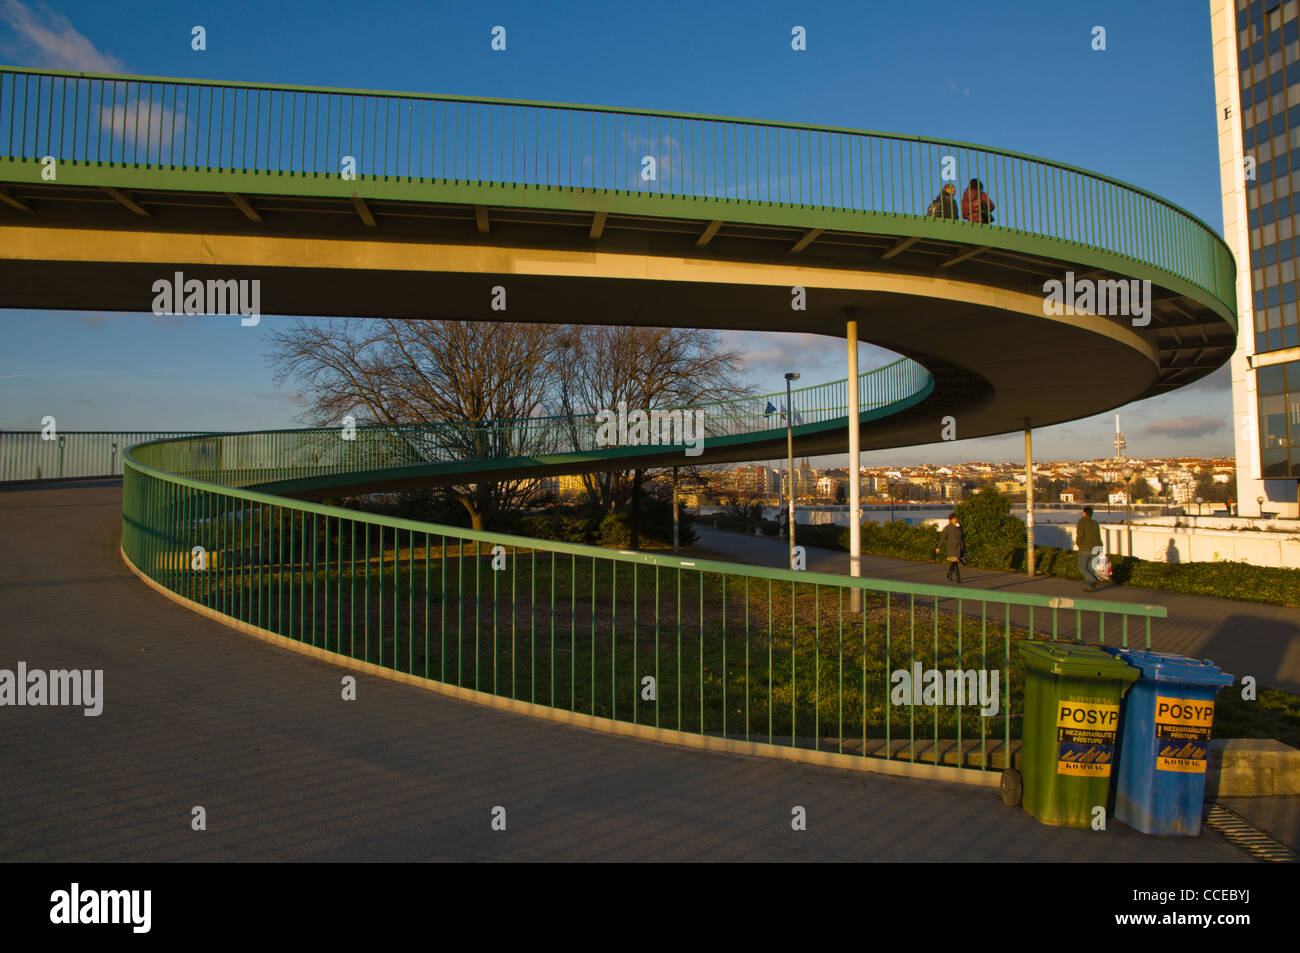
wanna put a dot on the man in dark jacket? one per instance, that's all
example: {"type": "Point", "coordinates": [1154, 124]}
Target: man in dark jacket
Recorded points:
{"type": "Point", "coordinates": [945, 204]}
{"type": "Point", "coordinates": [976, 206]}
{"type": "Point", "coordinates": [952, 545]}
{"type": "Point", "coordinates": [1087, 536]}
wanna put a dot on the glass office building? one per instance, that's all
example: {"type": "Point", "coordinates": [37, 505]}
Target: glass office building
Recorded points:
{"type": "Point", "coordinates": [1257, 87]}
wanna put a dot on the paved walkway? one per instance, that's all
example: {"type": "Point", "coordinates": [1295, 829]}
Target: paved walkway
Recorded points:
{"type": "Point", "coordinates": [196, 714]}
{"type": "Point", "coordinates": [1244, 638]}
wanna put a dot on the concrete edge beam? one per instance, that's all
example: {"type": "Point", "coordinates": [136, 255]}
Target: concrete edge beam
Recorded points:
{"type": "Point", "coordinates": [1251, 767]}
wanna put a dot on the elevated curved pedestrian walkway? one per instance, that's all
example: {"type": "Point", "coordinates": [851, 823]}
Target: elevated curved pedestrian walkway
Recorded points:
{"type": "Point", "coordinates": [343, 202]}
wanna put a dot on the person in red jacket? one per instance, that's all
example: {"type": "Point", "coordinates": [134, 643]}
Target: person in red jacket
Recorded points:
{"type": "Point", "coordinates": [976, 206]}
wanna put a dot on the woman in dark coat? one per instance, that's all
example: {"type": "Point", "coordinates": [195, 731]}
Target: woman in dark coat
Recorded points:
{"type": "Point", "coordinates": [952, 545]}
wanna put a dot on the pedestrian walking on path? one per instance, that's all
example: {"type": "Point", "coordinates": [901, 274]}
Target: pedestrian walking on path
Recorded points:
{"type": "Point", "coordinates": [1087, 536]}
{"type": "Point", "coordinates": [953, 546]}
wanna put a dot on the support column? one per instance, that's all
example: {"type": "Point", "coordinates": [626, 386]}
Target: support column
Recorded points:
{"type": "Point", "coordinates": [855, 472]}
{"type": "Point", "coordinates": [1029, 496]}
{"type": "Point", "coordinates": [789, 451]}
{"type": "Point", "coordinates": [674, 509]}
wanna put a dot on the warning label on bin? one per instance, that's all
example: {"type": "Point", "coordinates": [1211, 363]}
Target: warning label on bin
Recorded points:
{"type": "Point", "coordinates": [1182, 733]}
{"type": "Point", "coordinates": [1085, 734]}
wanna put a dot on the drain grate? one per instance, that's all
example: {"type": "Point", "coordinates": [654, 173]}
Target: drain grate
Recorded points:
{"type": "Point", "coordinates": [1241, 835]}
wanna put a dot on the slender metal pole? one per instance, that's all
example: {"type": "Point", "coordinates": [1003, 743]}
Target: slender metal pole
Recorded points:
{"type": "Point", "coordinates": [855, 476]}
{"type": "Point", "coordinates": [675, 509]}
{"type": "Point", "coordinates": [1128, 512]}
{"type": "Point", "coordinates": [1029, 496]}
{"type": "Point", "coordinates": [789, 444]}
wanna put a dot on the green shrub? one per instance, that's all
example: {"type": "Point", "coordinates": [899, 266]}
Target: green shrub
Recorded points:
{"type": "Point", "coordinates": [614, 530]}
{"type": "Point", "coordinates": [992, 534]}
{"type": "Point", "coordinates": [822, 535]}
{"type": "Point", "coordinates": [737, 524]}
{"type": "Point", "coordinates": [897, 539]}
{"type": "Point", "coordinates": [591, 524]}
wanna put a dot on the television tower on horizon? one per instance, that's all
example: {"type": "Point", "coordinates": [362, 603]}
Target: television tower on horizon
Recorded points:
{"type": "Point", "coordinates": [1119, 442]}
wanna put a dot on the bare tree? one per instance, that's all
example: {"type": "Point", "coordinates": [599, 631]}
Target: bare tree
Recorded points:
{"type": "Point", "coordinates": [481, 384]}
{"type": "Point", "coordinates": [647, 368]}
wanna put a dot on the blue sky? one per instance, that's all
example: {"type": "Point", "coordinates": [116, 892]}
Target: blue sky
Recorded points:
{"type": "Point", "coordinates": [1014, 75]}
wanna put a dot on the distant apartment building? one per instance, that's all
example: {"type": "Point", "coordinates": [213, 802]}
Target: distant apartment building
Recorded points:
{"type": "Point", "coordinates": [805, 481]}
{"type": "Point", "coordinates": [1071, 496]}
{"type": "Point", "coordinates": [1257, 93]}
{"type": "Point", "coordinates": [828, 486]}
{"type": "Point", "coordinates": [571, 486]}
{"type": "Point", "coordinates": [755, 481]}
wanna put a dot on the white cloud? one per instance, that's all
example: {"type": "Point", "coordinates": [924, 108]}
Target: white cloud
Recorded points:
{"type": "Point", "coordinates": [48, 38]}
{"type": "Point", "coordinates": [153, 122]}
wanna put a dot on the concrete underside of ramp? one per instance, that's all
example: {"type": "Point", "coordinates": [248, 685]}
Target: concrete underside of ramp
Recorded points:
{"type": "Point", "coordinates": [997, 358]}
{"type": "Point", "coordinates": [964, 301]}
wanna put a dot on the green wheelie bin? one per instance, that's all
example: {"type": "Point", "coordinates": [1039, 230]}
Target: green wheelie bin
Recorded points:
{"type": "Point", "coordinates": [1069, 733]}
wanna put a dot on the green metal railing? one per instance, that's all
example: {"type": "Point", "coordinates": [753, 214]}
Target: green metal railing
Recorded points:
{"type": "Point", "coordinates": [688, 645]}
{"type": "Point", "coordinates": [301, 140]}
{"type": "Point", "coordinates": [27, 455]}
{"type": "Point", "coordinates": [243, 459]}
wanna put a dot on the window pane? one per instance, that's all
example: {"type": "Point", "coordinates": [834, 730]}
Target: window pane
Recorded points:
{"type": "Point", "coordinates": [1270, 380]}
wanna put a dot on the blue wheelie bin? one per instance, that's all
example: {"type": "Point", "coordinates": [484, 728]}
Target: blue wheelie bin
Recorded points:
{"type": "Point", "coordinates": [1164, 739]}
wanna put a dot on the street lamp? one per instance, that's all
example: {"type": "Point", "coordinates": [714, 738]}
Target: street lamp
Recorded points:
{"type": "Point", "coordinates": [1260, 501]}
{"type": "Point", "coordinates": [1199, 501]}
{"type": "Point", "coordinates": [789, 445]}
{"type": "Point", "coordinates": [1128, 474]}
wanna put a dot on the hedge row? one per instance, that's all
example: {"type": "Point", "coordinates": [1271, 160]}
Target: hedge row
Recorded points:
{"type": "Point", "coordinates": [595, 526]}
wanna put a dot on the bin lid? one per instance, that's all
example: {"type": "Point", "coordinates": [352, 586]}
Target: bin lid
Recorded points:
{"type": "Point", "coordinates": [1073, 659]}
{"type": "Point", "coordinates": [1166, 667]}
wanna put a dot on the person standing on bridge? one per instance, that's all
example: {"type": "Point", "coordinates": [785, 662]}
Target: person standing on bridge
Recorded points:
{"type": "Point", "coordinates": [976, 206]}
{"type": "Point", "coordinates": [945, 204]}
{"type": "Point", "coordinates": [953, 546]}
{"type": "Point", "coordinates": [1087, 537]}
